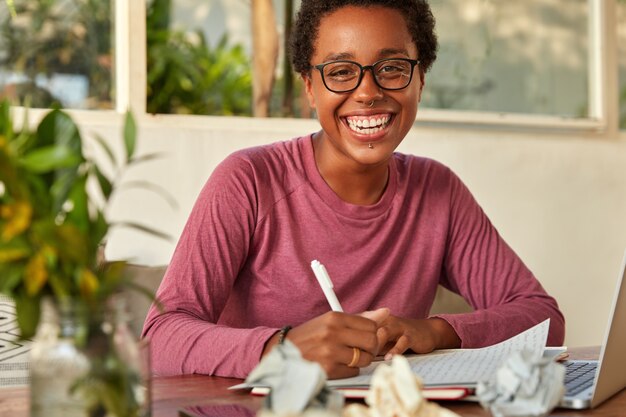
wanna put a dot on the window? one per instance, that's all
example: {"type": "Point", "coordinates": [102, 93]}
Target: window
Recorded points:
{"type": "Point", "coordinates": [515, 57]}
{"type": "Point", "coordinates": [496, 58]}
{"type": "Point", "coordinates": [527, 63]}
{"type": "Point", "coordinates": [210, 70]}
{"type": "Point", "coordinates": [191, 70]}
{"type": "Point", "coordinates": [57, 51]}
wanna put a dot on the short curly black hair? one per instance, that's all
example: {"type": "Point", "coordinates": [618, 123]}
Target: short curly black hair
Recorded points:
{"type": "Point", "coordinates": [419, 20]}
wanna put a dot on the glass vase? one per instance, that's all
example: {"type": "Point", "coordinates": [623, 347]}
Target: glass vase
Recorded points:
{"type": "Point", "coordinates": [86, 363]}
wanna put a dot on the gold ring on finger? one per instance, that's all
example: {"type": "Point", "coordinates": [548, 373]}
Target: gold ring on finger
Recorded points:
{"type": "Point", "coordinates": [356, 355]}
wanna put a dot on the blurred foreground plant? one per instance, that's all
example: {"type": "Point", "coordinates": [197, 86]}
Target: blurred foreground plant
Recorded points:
{"type": "Point", "coordinates": [52, 224]}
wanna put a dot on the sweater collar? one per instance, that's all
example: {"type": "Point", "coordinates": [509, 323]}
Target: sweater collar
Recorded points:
{"type": "Point", "coordinates": [332, 200]}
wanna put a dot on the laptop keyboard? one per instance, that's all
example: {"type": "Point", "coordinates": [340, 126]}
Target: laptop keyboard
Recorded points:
{"type": "Point", "coordinates": [579, 376]}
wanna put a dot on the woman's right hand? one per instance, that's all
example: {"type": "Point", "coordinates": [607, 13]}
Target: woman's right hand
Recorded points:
{"type": "Point", "coordinates": [329, 339]}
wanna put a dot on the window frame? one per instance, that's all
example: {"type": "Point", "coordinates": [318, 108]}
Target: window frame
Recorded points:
{"type": "Point", "coordinates": [603, 117]}
{"type": "Point", "coordinates": [603, 120]}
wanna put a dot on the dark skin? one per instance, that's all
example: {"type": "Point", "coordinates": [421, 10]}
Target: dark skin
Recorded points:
{"type": "Point", "coordinates": [329, 338]}
{"type": "Point", "coordinates": [354, 163]}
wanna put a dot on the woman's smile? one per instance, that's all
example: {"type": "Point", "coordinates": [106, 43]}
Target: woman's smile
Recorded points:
{"type": "Point", "coordinates": [368, 125]}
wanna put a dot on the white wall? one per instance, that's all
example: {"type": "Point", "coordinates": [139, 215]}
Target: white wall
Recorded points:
{"type": "Point", "coordinates": [558, 199]}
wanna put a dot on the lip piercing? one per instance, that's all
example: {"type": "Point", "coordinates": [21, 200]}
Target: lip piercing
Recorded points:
{"type": "Point", "coordinates": [369, 145]}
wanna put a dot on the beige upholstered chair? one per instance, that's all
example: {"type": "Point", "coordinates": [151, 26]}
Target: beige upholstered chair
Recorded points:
{"type": "Point", "coordinates": [149, 277]}
{"type": "Point", "coordinates": [448, 302]}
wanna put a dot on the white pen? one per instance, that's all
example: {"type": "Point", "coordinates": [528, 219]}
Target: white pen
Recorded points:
{"type": "Point", "coordinates": [327, 285]}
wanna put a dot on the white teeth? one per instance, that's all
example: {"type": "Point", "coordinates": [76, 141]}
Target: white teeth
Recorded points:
{"type": "Point", "coordinates": [368, 126]}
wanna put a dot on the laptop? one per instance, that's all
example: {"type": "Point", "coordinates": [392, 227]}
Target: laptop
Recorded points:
{"type": "Point", "coordinates": [589, 383]}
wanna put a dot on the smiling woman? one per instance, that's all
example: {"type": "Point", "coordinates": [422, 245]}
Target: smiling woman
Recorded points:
{"type": "Point", "coordinates": [389, 227]}
{"type": "Point", "coordinates": [368, 35]}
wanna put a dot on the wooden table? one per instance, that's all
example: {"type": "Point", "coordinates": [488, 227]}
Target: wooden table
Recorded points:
{"type": "Point", "coordinates": [211, 395]}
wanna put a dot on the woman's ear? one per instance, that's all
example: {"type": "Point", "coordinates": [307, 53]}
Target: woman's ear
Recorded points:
{"type": "Point", "coordinates": [308, 87]}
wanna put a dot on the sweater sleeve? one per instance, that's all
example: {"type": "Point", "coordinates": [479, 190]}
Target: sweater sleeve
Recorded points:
{"type": "Point", "coordinates": [481, 267]}
{"type": "Point", "coordinates": [185, 336]}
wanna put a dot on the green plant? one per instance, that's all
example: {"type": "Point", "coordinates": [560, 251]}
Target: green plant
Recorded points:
{"type": "Point", "coordinates": [186, 76]}
{"type": "Point", "coordinates": [74, 37]}
{"type": "Point", "coordinates": [57, 37]}
{"type": "Point", "coordinates": [53, 197]}
{"type": "Point", "coordinates": [52, 222]}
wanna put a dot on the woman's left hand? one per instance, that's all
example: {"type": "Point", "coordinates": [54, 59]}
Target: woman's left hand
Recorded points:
{"type": "Point", "coordinates": [396, 335]}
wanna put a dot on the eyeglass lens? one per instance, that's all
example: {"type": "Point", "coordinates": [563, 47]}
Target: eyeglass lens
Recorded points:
{"type": "Point", "coordinates": [391, 74]}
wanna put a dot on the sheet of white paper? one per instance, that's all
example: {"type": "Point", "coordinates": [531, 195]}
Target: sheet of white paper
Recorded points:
{"type": "Point", "coordinates": [462, 367]}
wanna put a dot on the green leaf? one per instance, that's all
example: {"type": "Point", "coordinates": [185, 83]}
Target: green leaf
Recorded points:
{"type": "Point", "coordinates": [146, 185]}
{"type": "Point", "coordinates": [27, 310]}
{"type": "Point", "coordinates": [8, 175]}
{"type": "Point", "coordinates": [79, 215]}
{"type": "Point", "coordinates": [107, 149]}
{"type": "Point", "coordinates": [11, 278]}
{"type": "Point", "coordinates": [23, 141]}
{"type": "Point", "coordinates": [6, 124]}
{"type": "Point", "coordinates": [105, 183]}
{"type": "Point", "coordinates": [99, 229]}
{"type": "Point", "coordinates": [60, 189]}
{"type": "Point", "coordinates": [16, 249]}
{"type": "Point", "coordinates": [60, 287]}
{"type": "Point", "coordinates": [58, 128]}
{"type": "Point", "coordinates": [50, 158]}
{"type": "Point", "coordinates": [11, 6]}
{"type": "Point", "coordinates": [145, 158]}
{"type": "Point", "coordinates": [130, 135]}
{"type": "Point", "coordinates": [37, 190]}
{"type": "Point", "coordinates": [113, 277]}
{"type": "Point", "coordinates": [145, 229]}
{"type": "Point", "coordinates": [69, 242]}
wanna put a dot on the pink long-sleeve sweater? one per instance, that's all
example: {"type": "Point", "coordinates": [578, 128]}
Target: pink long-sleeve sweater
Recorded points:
{"type": "Point", "coordinates": [241, 269]}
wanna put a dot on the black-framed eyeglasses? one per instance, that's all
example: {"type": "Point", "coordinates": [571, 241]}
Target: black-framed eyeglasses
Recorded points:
{"type": "Point", "coordinates": [346, 76]}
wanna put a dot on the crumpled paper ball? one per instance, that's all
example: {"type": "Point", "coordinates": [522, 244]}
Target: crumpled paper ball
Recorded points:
{"type": "Point", "coordinates": [297, 386]}
{"type": "Point", "coordinates": [523, 386]}
{"type": "Point", "coordinates": [395, 391]}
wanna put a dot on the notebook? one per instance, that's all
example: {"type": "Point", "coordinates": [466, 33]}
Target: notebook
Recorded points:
{"type": "Point", "coordinates": [606, 376]}
{"type": "Point", "coordinates": [438, 394]}
{"type": "Point", "coordinates": [454, 368]}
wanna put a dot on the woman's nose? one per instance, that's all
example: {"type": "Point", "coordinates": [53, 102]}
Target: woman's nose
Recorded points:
{"type": "Point", "coordinates": [368, 90]}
